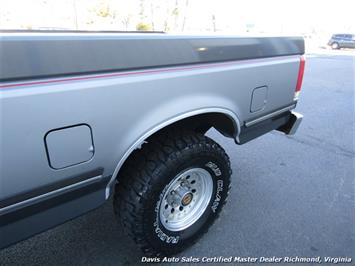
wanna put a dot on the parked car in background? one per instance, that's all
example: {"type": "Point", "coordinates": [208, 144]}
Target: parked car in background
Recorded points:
{"type": "Point", "coordinates": [338, 41]}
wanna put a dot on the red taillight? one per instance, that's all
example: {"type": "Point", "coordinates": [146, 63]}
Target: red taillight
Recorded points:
{"type": "Point", "coordinates": [300, 73]}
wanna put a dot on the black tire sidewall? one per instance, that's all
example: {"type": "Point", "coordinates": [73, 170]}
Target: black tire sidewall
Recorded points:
{"type": "Point", "coordinates": [218, 166]}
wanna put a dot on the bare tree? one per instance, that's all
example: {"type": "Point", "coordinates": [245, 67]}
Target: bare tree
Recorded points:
{"type": "Point", "coordinates": [126, 20]}
{"type": "Point", "coordinates": [75, 14]}
{"type": "Point", "coordinates": [185, 14]}
{"type": "Point", "coordinates": [176, 13]}
{"type": "Point", "coordinates": [166, 21]}
{"type": "Point", "coordinates": [214, 22]}
{"type": "Point", "coordinates": [141, 10]}
{"type": "Point", "coordinates": [152, 13]}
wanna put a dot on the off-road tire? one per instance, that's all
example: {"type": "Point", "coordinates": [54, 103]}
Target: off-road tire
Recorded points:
{"type": "Point", "coordinates": [148, 172]}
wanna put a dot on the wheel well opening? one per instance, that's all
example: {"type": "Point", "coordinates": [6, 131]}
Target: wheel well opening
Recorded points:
{"type": "Point", "coordinates": [199, 123]}
{"type": "Point", "coordinates": [203, 122]}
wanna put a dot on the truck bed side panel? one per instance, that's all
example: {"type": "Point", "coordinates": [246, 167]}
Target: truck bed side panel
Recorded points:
{"type": "Point", "coordinates": [121, 109]}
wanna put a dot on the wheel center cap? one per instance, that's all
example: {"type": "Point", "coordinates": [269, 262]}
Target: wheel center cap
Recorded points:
{"type": "Point", "coordinates": [186, 200]}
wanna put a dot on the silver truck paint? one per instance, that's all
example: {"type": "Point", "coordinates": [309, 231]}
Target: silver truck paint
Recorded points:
{"type": "Point", "coordinates": [122, 109]}
{"type": "Point", "coordinates": [29, 112]}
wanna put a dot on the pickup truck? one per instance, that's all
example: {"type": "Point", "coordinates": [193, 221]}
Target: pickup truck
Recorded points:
{"type": "Point", "coordinates": [88, 116]}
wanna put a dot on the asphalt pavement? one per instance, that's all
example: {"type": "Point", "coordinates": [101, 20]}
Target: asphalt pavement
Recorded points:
{"type": "Point", "coordinates": [291, 195]}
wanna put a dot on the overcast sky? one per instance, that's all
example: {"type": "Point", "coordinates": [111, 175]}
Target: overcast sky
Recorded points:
{"type": "Point", "coordinates": [231, 16]}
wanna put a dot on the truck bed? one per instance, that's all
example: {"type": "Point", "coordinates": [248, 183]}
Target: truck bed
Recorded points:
{"type": "Point", "coordinates": [74, 107]}
{"type": "Point", "coordinates": [48, 54]}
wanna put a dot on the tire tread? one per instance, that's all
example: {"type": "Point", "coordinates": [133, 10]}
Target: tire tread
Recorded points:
{"type": "Point", "coordinates": [137, 176]}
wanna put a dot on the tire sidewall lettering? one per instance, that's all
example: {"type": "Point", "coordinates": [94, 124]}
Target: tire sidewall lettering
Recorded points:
{"type": "Point", "coordinates": [169, 237]}
{"type": "Point", "coordinates": [219, 184]}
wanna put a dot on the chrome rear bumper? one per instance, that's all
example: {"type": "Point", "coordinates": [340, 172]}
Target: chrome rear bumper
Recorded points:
{"type": "Point", "coordinates": [293, 123]}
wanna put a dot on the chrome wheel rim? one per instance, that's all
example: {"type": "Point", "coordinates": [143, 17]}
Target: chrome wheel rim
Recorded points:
{"type": "Point", "coordinates": [185, 199]}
